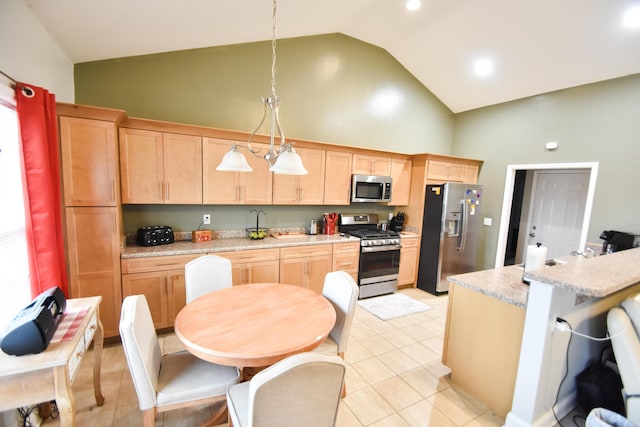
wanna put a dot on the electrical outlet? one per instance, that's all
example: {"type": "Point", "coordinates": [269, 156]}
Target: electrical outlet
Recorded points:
{"type": "Point", "coordinates": [206, 219]}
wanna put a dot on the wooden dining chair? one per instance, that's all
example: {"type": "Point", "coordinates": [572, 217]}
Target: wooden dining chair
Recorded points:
{"type": "Point", "coordinates": [342, 291]}
{"type": "Point", "coordinates": [170, 381]}
{"type": "Point", "coordinates": [301, 390]}
{"type": "Point", "coordinates": [206, 274]}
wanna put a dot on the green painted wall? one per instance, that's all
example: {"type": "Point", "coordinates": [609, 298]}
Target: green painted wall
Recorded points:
{"type": "Point", "coordinates": [333, 88]}
{"type": "Point", "coordinates": [328, 86]}
{"type": "Point", "coordinates": [592, 123]}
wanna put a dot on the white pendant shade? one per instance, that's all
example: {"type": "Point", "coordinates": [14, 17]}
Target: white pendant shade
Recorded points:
{"type": "Point", "coordinates": [234, 161]}
{"type": "Point", "coordinates": [288, 163]}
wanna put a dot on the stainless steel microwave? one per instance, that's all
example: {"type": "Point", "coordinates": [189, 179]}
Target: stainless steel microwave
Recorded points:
{"type": "Point", "coordinates": [371, 188]}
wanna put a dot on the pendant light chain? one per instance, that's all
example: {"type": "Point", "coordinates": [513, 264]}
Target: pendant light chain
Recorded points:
{"type": "Point", "coordinates": [273, 51]}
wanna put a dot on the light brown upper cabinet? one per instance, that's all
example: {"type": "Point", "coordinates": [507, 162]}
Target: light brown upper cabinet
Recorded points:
{"type": "Point", "coordinates": [89, 162]}
{"type": "Point", "coordinates": [401, 175]}
{"type": "Point", "coordinates": [442, 171]}
{"type": "Point", "coordinates": [253, 188]}
{"type": "Point", "coordinates": [371, 165]}
{"type": "Point", "coordinates": [337, 178]}
{"type": "Point", "coordinates": [160, 168]}
{"type": "Point", "coordinates": [302, 189]}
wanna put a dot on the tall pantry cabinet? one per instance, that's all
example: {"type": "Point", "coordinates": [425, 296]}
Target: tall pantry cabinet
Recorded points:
{"type": "Point", "coordinates": [93, 223]}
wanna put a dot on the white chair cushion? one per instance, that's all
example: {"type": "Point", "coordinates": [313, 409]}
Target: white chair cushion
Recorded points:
{"type": "Point", "coordinates": [184, 377]}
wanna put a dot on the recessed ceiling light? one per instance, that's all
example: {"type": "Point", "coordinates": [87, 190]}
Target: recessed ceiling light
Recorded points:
{"type": "Point", "coordinates": [631, 18]}
{"type": "Point", "coordinates": [483, 67]}
{"type": "Point", "coordinates": [413, 4]}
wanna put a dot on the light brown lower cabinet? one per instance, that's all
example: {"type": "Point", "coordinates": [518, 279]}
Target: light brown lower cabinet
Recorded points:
{"type": "Point", "coordinates": [93, 251]}
{"type": "Point", "coordinates": [254, 266]}
{"type": "Point", "coordinates": [161, 281]}
{"type": "Point", "coordinates": [346, 257]}
{"type": "Point", "coordinates": [305, 265]}
{"type": "Point", "coordinates": [408, 260]}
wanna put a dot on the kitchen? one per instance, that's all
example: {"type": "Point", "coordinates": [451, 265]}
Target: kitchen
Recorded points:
{"type": "Point", "coordinates": [584, 120]}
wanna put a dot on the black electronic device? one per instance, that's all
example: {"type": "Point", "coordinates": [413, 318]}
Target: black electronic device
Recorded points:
{"type": "Point", "coordinates": [155, 235]}
{"type": "Point", "coordinates": [31, 330]}
{"type": "Point", "coordinates": [397, 222]}
{"type": "Point", "coordinates": [615, 241]}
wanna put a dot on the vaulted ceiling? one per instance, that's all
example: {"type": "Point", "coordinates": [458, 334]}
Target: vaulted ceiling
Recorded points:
{"type": "Point", "coordinates": [536, 46]}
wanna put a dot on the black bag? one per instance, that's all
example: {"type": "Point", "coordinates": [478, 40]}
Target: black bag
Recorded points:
{"type": "Point", "coordinates": [600, 386]}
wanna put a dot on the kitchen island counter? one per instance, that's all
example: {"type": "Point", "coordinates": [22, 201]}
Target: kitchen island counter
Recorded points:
{"type": "Point", "coordinates": [508, 327]}
{"type": "Point", "coordinates": [187, 247]}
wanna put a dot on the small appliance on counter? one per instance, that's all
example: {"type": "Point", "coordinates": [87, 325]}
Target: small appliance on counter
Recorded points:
{"type": "Point", "coordinates": [313, 227]}
{"type": "Point", "coordinates": [329, 222]}
{"type": "Point", "coordinates": [155, 235]}
{"type": "Point", "coordinates": [397, 222]}
{"type": "Point", "coordinates": [32, 328]}
{"type": "Point", "coordinates": [615, 241]}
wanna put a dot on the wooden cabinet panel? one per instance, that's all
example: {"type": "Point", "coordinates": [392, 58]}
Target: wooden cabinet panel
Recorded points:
{"type": "Point", "coordinates": [160, 168]}
{"type": "Point", "coordinates": [302, 189]}
{"type": "Point", "coordinates": [93, 250]}
{"type": "Point", "coordinates": [89, 157]}
{"type": "Point", "coordinates": [490, 330]}
{"type": "Point", "coordinates": [337, 178]}
{"type": "Point", "coordinates": [408, 261]}
{"type": "Point", "coordinates": [254, 266]}
{"type": "Point", "coordinates": [470, 174]}
{"type": "Point", "coordinates": [441, 171]}
{"type": "Point", "coordinates": [161, 280]}
{"type": "Point", "coordinates": [346, 257]}
{"type": "Point", "coordinates": [182, 168]}
{"type": "Point", "coordinates": [154, 287]}
{"type": "Point", "coordinates": [401, 175]}
{"type": "Point", "coordinates": [141, 160]}
{"type": "Point", "coordinates": [371, 165]}
{"type": "Point", "coordinates": [254, 188]}
{"type": "Point", "coordinates": [306, 265]}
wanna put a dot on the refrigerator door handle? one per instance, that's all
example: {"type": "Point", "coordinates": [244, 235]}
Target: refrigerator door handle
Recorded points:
{"type": "Point", "coordinates": [464, 225]}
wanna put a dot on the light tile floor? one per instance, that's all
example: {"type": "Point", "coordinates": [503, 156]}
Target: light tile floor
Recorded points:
{"type": "Point", "coordinates": [394, 379]}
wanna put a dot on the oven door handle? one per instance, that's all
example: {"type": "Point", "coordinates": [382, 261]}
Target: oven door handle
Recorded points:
{"type": "Point", "coordinates": [381, 248]}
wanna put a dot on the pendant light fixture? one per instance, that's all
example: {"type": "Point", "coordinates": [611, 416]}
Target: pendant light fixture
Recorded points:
{"type": "Point", "coordinates": [283, 161]}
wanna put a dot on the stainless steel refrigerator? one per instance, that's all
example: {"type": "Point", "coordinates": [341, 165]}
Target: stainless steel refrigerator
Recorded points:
{"type": "Point", "coordinates": [450, 228]}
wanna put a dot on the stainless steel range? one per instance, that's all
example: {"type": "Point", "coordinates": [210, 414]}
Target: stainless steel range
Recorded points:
{"type": "Point", "coordinates": [379, 254]}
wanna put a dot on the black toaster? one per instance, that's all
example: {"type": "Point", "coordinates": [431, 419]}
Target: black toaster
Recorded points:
{"type": "Point", "coordinates": [155, 235]}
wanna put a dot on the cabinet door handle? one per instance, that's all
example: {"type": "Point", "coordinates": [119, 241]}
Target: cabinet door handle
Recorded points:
{"type": "Point", "coordinates": [168, 194]}
{"type": "Point", "coordinates": [113, 190]}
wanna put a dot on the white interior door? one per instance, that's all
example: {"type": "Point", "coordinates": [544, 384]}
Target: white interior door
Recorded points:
{"type": "Point", "coordinates": [557, 210]}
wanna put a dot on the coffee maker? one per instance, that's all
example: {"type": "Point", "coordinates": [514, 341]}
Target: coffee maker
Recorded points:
{"type": "Point", "coordinates": [617, 241]}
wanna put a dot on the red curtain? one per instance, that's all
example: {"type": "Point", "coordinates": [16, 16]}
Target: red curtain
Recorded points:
{"type": "Point", "coordinates": [36, 109]}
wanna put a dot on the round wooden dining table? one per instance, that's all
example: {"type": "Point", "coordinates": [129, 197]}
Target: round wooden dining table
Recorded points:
{"type": "Point", "coordinates": [255, 325]}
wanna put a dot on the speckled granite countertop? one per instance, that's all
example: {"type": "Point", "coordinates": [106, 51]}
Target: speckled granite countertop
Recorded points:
{"type": "Point", "coordinates": [590, 277]}
{"type": "Point", "coordinates": [594, 277]}
{"type": "Point", "coordinates": [186, 247]}
{"type": "Point", "coordinates": [502, 283]}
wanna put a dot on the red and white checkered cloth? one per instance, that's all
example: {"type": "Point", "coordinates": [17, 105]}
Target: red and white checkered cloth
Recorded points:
{"type": "Point", "coordinates": [69, 324]}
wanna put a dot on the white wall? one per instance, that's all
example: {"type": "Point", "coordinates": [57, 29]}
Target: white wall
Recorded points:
{"type": "Point", "coordinates": [29, 54]}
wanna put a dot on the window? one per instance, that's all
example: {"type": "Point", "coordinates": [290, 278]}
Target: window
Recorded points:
{"type": "Point", "coordinates": [15, 291]}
